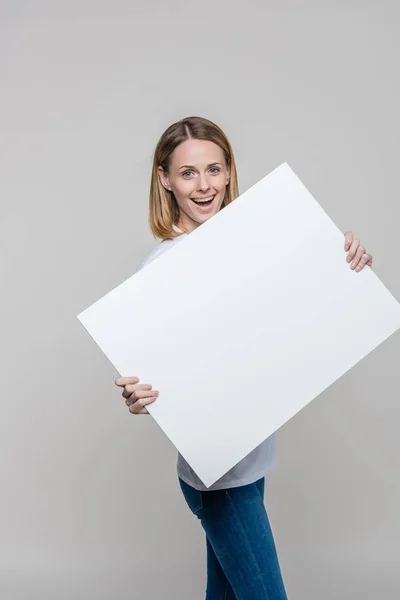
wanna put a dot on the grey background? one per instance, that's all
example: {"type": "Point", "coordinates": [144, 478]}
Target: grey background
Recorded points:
{"type": "Point", "coordinates": [90, 506]}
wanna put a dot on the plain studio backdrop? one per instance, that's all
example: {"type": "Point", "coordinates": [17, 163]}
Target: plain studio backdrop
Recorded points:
{"type": "Point", "coordinates": [90, 505]}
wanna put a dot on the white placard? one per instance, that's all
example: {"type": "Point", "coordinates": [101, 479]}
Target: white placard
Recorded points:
{"type": "Point", "coordinates": [244, 322]}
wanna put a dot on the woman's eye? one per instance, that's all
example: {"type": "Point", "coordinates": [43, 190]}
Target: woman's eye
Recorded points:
{"type": "Point", "coordinates": [188, 173]}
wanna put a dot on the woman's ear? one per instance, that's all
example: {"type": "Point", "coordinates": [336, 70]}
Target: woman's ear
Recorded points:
{"type": "Point", "coordinates": [163, 179]}
{"type": "Point", "coordinates": [228, 175]}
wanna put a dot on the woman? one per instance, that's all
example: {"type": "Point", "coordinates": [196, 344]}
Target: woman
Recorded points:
{"type": "Point", "coordinates": [194, 176]}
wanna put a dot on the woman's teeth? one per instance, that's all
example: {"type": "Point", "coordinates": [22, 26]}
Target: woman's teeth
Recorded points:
{"type": "Point", "coordinates": [204, 201]}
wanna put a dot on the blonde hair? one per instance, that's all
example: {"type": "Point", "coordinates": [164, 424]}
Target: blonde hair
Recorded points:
{"type": "Point", "coordinates": [163, 208]}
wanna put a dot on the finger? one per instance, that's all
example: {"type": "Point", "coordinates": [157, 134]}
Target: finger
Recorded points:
{"type": "Point", "coordinates": [366, 259]}
{"type": "Point", "coordinates": [122, 381]}
{"type": "Point", "coordinates": [138, 408]}
{"type": "Point", "coordinates": [139, 404]}
{"type": "Point", "coordinates": [138, 395]}
{"type": "Point", "coordinates": [144, 411]}
{"type": "Point", "coordinates": [353, 249]}
{"type": "Point", "coordinates": [130, 388]}
{"type": "Point", "coordinates": [348, 239]}
{"type": "Point", "coordinates": [360, 252]}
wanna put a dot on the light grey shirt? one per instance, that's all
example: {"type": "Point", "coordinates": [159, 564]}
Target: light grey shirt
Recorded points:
{"type": "Point", "coordinates": [253, 466]}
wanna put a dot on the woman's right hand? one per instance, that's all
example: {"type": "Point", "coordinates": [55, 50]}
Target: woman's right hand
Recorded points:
{"type": "Point", "coordinates": [137, 395]}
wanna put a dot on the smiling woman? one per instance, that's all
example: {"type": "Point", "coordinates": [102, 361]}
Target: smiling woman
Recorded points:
{"type": "Point", "coordinates": [199, 191]}
{"type": "Point", "coordinates": [193, 177]}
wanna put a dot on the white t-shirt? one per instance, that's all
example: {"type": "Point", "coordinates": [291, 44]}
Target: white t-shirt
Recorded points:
{"type": "Point", "coordinates": [251, 468]}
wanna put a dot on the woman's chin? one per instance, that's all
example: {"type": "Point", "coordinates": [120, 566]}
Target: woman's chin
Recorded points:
{"type": "Point", "coordinates": [203, 215]}
{"type": "Point", "coordinates": [203, 218]}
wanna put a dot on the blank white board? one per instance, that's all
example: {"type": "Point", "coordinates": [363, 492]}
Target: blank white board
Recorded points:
{"type": "Point", "coordinates": [244, 322]}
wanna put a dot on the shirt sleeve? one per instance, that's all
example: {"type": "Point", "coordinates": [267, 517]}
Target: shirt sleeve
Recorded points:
{"type": "Point", "coordinates": [156, 252]}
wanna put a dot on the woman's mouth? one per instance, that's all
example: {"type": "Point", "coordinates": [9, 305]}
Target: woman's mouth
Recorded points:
{"type": "Point", "coordinates": [204, 202]}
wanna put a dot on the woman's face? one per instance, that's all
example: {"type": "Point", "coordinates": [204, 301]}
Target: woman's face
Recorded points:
{"type": "Point", "coordinates": [197, 176]}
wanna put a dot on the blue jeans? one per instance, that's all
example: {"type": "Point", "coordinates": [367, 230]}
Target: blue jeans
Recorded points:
{"type": "Point", "coordinates": [242, 562]}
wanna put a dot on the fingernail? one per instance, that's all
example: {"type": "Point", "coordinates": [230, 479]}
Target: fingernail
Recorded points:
{"type": "Point", "coordinates": [156, 393]}
{"type": "Point", "coordinates": [148, 387]}
{"type": "Point", "coordinates": [353, 265]}
{"type": "Point", "coordinates": [358, 269]}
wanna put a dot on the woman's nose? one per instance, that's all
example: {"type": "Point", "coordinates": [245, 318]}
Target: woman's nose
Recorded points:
{"type": "Point", "coordinates": [203, 184]}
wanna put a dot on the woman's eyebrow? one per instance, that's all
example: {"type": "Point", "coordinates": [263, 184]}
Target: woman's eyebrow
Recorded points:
{"type": "Point", "coordinates": [192, 167]}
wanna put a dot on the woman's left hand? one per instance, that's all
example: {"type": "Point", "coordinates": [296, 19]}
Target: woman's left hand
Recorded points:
{"type": "Point", "coordinates": [356, 253]}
